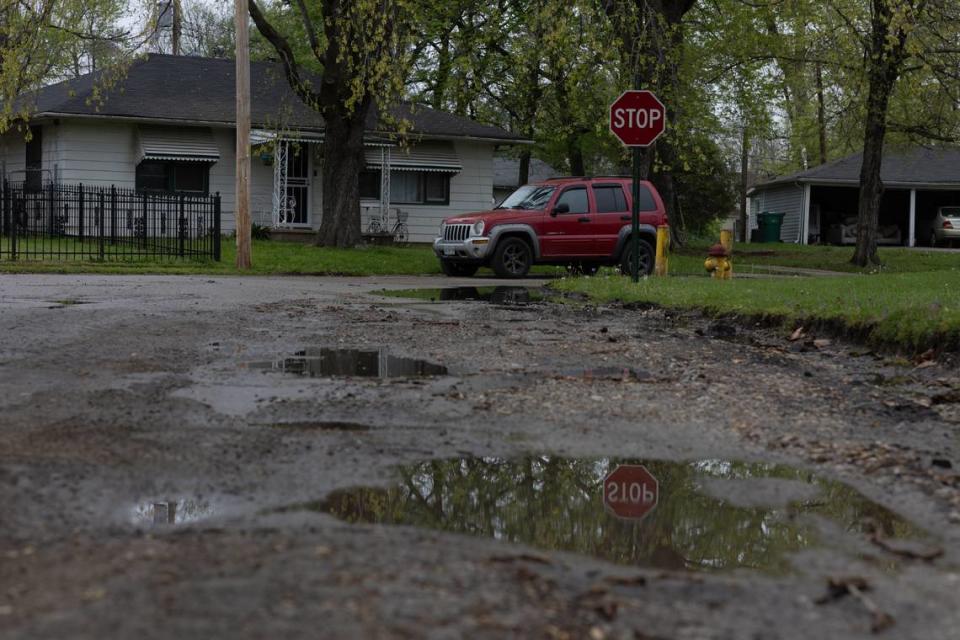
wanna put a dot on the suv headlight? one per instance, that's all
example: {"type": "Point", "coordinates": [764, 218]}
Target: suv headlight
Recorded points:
{"type": "Point", "coordinates": [477, 229]}
{"type": "Point", "coordinates": [443, 227]}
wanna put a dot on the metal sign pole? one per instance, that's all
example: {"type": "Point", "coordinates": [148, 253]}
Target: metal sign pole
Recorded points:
{"type": "Point", "coordinates": [635, 217]}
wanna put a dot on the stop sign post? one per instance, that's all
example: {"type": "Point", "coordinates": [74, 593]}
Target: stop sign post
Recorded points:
{"type": "Point", "coordinates": [637, 118]}
{"type": "Point", "coordinates": [630, 492]}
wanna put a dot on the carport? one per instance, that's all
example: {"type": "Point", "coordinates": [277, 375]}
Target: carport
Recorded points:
{"type": "Point", "coordinates": [821, 203]}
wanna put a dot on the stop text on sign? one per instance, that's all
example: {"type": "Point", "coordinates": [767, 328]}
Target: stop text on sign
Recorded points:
{"type": "Point", "coordinates": [637, 118]}
{"type": "Point", "coordinates": [630, 491]}
{"type": "Point", "coordinates": [632, 118]}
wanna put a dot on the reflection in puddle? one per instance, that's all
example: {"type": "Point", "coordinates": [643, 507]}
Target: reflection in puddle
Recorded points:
{"type": "Point", "coordinates": [172, 511]}
{"type": "Point", "coordinates": [495, 295]}
{"type": "Point", "coordinates": [328, 363]}
{"type": "Point", "coordinates": [557, 504]}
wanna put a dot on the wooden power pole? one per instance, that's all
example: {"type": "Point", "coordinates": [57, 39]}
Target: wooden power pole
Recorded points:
{"type": "Point", "coordinates": [242, 206]}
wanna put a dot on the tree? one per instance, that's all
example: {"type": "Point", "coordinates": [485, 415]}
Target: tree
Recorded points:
{"type": "Point", "coordinates": [652, 38]}
{"type": "Point", "coordinates": [361, 50]}
{"type": "Point", "coordinates": [44, 40]}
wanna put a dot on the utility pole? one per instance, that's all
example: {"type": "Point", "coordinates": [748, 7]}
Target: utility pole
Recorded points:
{"type": "Point", "coordinates": [177, 27]}
{"type": "Point", "coordinates": [242, 206]}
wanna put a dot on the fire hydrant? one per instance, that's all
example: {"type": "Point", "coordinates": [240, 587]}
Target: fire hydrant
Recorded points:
{"type": "Point", "coordinates": [719, 264]}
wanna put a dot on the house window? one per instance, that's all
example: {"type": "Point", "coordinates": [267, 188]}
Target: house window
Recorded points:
{"type": "Point", "coordinates": [408, 187]}
{"type": "Point", "coordinates": [158, 175]}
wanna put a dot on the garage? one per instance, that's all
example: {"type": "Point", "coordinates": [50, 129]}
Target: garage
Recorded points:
{"type": "Point", "coordinates": [820, 204]}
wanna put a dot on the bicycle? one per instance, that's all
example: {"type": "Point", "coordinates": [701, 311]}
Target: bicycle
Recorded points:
{"type": "Point", "coordinates": [400, 231]}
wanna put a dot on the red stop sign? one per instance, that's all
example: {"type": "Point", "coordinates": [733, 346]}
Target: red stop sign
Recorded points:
{"type": "Point", "coordinates": [630, 491]}
{"type": "Point", "coordinates": [637, 118]}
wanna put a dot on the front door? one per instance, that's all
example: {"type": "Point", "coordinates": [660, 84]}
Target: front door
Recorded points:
{"type": "Point", "coordinates": [298, 184]}
{"type": "Point", "coordinates": [569, 232]}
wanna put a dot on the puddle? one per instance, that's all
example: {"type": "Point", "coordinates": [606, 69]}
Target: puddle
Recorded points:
{"type": "Point", "coordinates": [172, 512]}
{"type": "Point", "coordinates": [710, 515]}
{"type": "Point", "coordinates": [495, 295]}
{"type": "Point", "coordinates": [330, 363]}
{"type": "Point", "coordinates": [321, 426]}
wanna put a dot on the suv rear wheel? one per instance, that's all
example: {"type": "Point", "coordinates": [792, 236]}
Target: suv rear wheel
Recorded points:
{"type": "Point", "coordinates": [646, 258]}
{"type": "Point", "coordinates": [512, 259]}
{"type": "Point", "coordinates": [458, 269]}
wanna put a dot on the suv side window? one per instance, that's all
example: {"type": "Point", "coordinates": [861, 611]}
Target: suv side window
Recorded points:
{"type": "Point", "coordinates": [646, 199]}
{"type": "Point", "coordinates": [610, 198]}
{"type": "Point", "coordinates": [576, 199]}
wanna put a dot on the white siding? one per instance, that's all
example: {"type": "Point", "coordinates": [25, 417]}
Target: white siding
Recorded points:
{"type": "Point", "coordinates": [786, 199]}
{"type": "Point", "coordinates": [106, 153]}
{"type": "Point", "coordinates": [470, 190]}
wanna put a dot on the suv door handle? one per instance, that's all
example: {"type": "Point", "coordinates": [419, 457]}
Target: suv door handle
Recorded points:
{"type": "Point", "coordinates": [583, 219]}
{"type": "Point", "coordinates": [626, 218]}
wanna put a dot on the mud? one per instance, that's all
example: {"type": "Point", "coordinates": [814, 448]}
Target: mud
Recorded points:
{"type": "Point", "coordinates": [142, 399]}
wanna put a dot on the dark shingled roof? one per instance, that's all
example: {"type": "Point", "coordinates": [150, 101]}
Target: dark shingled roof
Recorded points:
{"type": "Point", "coordinates": [192, 89]}
{"type": "Point", "coordinates": [903, 166]}
{"type": "Point", "coordinates": [506, 171]}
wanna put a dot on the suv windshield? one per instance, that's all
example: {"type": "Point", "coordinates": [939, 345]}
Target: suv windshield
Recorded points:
{"type": "Point", "coordinates": [528, 197]}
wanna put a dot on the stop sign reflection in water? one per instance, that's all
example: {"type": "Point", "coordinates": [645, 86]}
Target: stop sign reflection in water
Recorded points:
{"type": "Point", "coordinates": [630, 491]}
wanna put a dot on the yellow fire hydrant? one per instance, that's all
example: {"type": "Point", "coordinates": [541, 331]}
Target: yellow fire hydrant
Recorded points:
{"type": "Point", "coordinates": [719, 264]}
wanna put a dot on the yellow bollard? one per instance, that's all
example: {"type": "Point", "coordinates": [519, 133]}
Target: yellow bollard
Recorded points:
{"type": "Point", "coordinates": [663, 242]}
{"type": "Point", "coordinates": [726, 239]}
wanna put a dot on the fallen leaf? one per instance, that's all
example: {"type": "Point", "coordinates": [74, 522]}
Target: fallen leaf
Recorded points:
{"type": "Point", "coordinates": [796, 335]}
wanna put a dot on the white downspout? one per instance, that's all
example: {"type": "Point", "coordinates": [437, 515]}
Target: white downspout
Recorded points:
{"type": "Point", "coordinates": [912, 240]}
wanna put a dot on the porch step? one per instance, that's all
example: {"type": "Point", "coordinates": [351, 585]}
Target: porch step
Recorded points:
{"type": "Point", "coordinates": [293, 235]}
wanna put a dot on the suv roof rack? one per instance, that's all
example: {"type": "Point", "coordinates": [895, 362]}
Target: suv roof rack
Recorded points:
{"type": "Point", "coordinates": [587, 178]}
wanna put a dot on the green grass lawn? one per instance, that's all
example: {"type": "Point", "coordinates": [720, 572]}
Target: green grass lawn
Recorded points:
{"type": "Point", "coordinates": [269, 258]}
{"type": "Point", "coordinates": [752, 257]}
{"type": "Point", "coordinates": [915, 311]}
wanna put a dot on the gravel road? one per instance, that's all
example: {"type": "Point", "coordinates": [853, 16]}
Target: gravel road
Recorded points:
{"type": "Point", "coordinates": [127, 401]}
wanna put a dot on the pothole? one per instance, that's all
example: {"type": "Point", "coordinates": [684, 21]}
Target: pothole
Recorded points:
{"type": "Point", "coordinates": [494, 295]}
{"type": "Point", "coordinates": [332, 363]}
{"type": "Point", "coordinates": [709, 515]}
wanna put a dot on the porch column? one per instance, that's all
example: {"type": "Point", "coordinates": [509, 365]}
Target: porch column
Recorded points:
{"type": "Point", "coordinates": [384, 183]}
{"type": "Point", "coordinates": [912, 239]}
{"type": "Point", "coordinates": [805, 219]}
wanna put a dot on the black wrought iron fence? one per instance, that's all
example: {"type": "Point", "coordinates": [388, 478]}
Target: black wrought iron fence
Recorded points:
{"type": "Point", "coordinates": [74, 222]}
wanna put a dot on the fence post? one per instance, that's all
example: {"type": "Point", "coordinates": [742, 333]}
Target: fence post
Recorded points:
{"type": "Point", "coordinates": [52, 211]}
{"type": "Point", "coordinates": [216, 227]}
{"type": "Point", "coordinates": [9, 219]}
{"type": "Point", "coordinates": [113, 214]}
{"type": "Point", "coordinates": [143, 224]}
{"type": "Point", "coordinates": [181, 226]}
{"type": "Point", "coordinates": [101, 224]}
{"type": "Point", "coordinates": [80, 210]}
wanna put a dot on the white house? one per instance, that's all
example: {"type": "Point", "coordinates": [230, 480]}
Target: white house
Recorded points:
{"type": "Point", "coordinates": [169, 125]}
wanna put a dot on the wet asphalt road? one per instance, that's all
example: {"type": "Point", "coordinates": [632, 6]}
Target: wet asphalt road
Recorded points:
{"type": "Point", "coordinates": [123, 394]}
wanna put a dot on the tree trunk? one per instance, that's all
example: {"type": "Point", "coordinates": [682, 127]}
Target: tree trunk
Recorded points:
{"type": "Point", "coordinates": [821, 116]}
{"type": "Point", "coordinates": [523, 173]}
{"type": "Point", "coordinates": [744, 182]}
{"type": "Point", "coordinates": [343, 160]}
{"type": "Point", "coordinates": [885, 58]}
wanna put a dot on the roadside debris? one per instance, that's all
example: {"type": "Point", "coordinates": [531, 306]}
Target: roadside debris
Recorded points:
{"type": "Point", "coordinates": [838, 587]}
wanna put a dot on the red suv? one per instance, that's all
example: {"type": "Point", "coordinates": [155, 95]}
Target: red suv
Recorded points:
{"type": "Point", "coordinates": [581, 222]}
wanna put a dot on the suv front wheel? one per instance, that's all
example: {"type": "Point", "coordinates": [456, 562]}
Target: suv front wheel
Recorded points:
{"type": "Point", "coordinates": [512, 259]}
{"type": "Point", "coordinates": [646, 258]}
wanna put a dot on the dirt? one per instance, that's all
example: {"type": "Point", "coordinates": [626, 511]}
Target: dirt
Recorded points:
{"type": "Point", "coordinates": [144, 397]}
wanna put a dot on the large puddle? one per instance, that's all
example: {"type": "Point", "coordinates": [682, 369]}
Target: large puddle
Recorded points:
{"type": "Point", "coordinates": [331, 363]}
{"type": "Point", "coordinates": [494, 295]}
{"type": "Point", "coordinates": [709, 516]}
